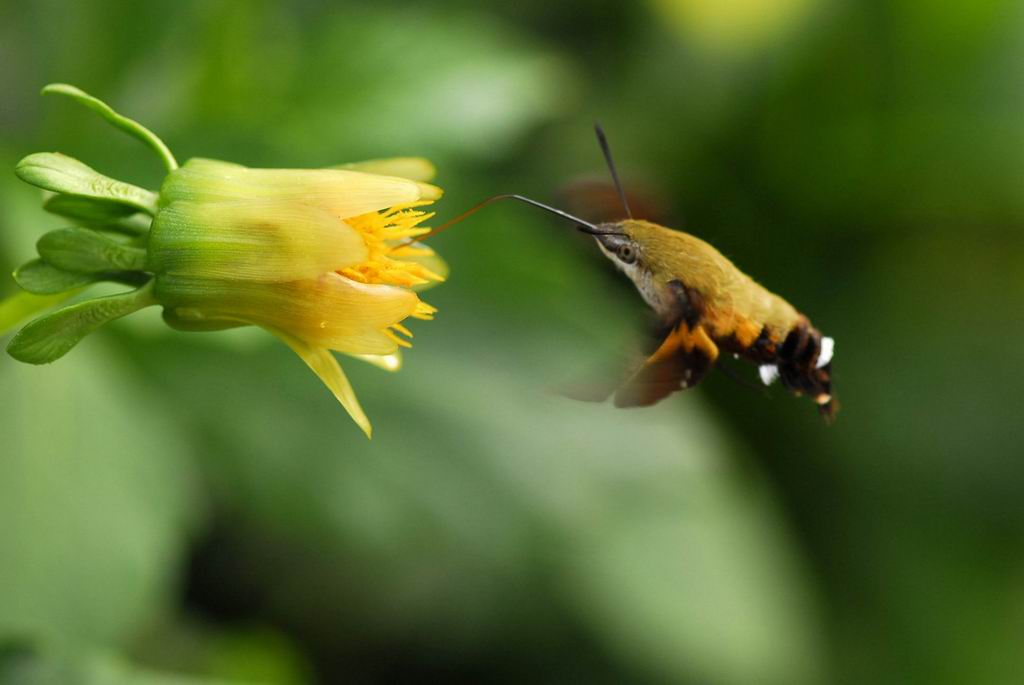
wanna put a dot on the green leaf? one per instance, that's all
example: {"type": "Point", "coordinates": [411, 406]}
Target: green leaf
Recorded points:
{"type": "Point", "coordinates": [129, 126]}
{"type": "Point", "coordinates": [41, 278]}
{"type": "Point", "coordinates": [63, 174]}
{"type": "Point", "coordinates": [50, 337]}
{"type": "Point", "coordinates": [21, 306]}
{"type": "Point", "coordinates": [84, 250]}
{"type": "Point", "coordinates": [97, 213]}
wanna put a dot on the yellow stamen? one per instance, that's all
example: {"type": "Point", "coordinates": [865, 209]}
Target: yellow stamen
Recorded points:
{"type": "Point", "coordinates": [424, 312]}
{"type": "Point", "coordinates": [401, 342]}
{"type": "Point", "coordinates": [388, 236]}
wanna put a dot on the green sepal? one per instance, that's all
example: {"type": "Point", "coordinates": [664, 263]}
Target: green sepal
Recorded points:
{"type": "Point", "coordinates": [95, 213]}
{"type": "Point", "coordinates": [50, 337]}
{"type": "Point", "coordinates": [40, 278]}
{"type": "Point", "coordinates": [195, 325]}
{"type": "Point", "coordinates": [136, 225]}
{"type": "Point", "coordinates": [63, 174]}
{"type": "Point", "coordinates": [129, 126]}
{"type": "Point", "coordinates": [84, 250]}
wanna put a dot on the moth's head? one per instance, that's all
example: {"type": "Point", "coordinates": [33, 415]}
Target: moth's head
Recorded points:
{"type": "Point", "coordinates": [629, 244]}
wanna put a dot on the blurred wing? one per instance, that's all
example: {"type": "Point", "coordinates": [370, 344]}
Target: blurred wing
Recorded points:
{"type": "Point", "coordinates": [679, 358]}
{"type": "Point", "coordinates": [602, 376]}
{"type": "Point", "coordinates": [656, 381]}
{"type": "Point", "coordinates": [680, 363]}
{"type": "Point", "coordinates": [589, 391]}
{"type": "Point", "coordinates": [652, 382]}
{"type": "Point", "coordinates": [598, 201]}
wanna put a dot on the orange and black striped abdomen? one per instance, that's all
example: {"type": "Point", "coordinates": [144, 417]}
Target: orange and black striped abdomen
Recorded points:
{"type": "Point", "coordinates": [745, 318]}
{"type": "Point", "coordinates": [804, 368]}
{"type": "Point", "coordinates": [801, 358]}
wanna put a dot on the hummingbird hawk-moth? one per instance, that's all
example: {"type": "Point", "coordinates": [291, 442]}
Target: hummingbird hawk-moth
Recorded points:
{"type": "Point", "coordinates": [705, 307]}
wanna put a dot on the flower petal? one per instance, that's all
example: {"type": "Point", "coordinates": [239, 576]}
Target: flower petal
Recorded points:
{"type": "Point", "coordinates": [330, 311]}
{"type": "Point", "coordinates": [412, 168]}
{"type": "Point", "coordinates": [326, 367]}
{"type": "Point", "coordinates": [262, 240]}
{"type": "Point", "coordinates": [344, 193]}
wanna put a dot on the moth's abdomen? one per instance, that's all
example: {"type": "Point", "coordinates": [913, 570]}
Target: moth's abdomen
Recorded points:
{"type": "Point", "coordinates": [761, 326]}
{"type": "Point", "coordinates": [802, 361]}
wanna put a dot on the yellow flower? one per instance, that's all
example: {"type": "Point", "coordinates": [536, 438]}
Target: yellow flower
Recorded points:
{"type": "Point", "coordinates": [325, 259]}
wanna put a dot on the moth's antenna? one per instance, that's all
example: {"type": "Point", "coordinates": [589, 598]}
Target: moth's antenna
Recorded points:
{"type": "Point", "coordinates": [584, 226]}
{"type": "Point", "coordinates": [602, 140]}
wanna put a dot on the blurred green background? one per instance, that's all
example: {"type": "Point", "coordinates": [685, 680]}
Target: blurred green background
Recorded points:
{"type": "Point", "coordinates": [190, 509]}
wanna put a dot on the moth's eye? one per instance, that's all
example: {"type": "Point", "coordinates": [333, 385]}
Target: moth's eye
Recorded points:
{"type": "Point", "coordinates": [626, 253]}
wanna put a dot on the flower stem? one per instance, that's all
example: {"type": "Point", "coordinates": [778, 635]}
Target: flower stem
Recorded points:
{"type": "Point", "coordinates": [129, 126]}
